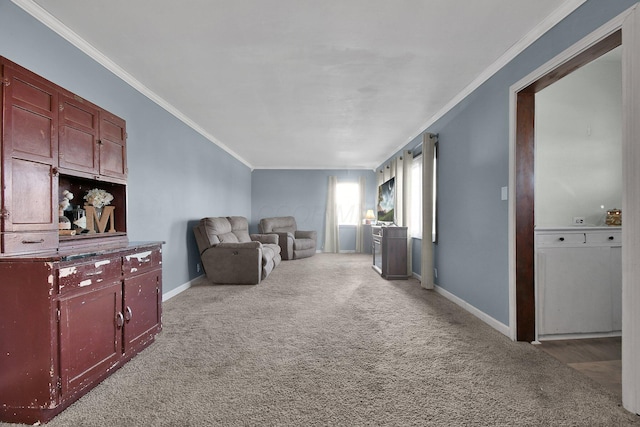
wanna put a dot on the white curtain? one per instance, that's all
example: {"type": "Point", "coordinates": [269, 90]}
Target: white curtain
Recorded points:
{"type": "Point", "coordinates": [406, 204]}
{"type": "Point", "coordinates": [332, 231]}
{"type": "Point", "coordinates": [359, 229]}
{"type": "Point", "coordinates": [428, 146]}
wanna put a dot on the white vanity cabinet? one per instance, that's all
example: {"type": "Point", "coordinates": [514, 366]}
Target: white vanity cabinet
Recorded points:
{"type": "Point", "coordinates": [578, 281]}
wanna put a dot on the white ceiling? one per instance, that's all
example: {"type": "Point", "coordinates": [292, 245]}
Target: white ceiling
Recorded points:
{"type": "Point", "coordinates": [303, 83]}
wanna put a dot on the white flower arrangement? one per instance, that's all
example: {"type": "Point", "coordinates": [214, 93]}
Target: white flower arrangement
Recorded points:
{"type": "Point", "coordinates": [98, 198]}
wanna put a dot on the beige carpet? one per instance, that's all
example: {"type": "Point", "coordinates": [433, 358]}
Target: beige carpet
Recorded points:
{"type": "Point", "coordinates": [326, 341]}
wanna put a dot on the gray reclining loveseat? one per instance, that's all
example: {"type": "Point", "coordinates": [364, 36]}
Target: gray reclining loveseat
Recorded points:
{"type": "Point", "coordinates": [230, 255]}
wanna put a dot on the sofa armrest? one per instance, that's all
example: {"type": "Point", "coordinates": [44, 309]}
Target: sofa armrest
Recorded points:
{"type": "Point", "coordinates": [285, 241]}
{"type": "Point", "coordinates": [233, 262]}
{"type": "Point", "coordinates": [300, 234]}
{"type": "Point", "coordinates": [265, 238]}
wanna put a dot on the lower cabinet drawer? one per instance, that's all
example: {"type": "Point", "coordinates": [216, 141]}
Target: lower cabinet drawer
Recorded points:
{"type": "Point", "coordinates": [91, 273]}
{"type": "Point", "coordinates": [139, 262]}
{"type": "Point", "coordinates": [27, 242]}
{"type": "Point", "coordinates": [559, 239]}
{"type": "Point", "coordinates": [613, 238]}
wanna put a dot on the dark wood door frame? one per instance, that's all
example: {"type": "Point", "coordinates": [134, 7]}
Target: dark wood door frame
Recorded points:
{"type": "Point", "coordinates": [525, 187]}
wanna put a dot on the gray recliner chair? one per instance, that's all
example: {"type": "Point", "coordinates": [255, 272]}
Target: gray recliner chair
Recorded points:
{"type": "Point", "coordinates": [231, 255]}
{"type": "Point", "coordinates": [294, 243]}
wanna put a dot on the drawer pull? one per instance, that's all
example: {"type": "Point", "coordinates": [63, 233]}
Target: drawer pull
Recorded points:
{"type": "Point", "coordinates": [561, 239]}
{"type": "Point", "coordinates": [94, 273]}
{"type": "Point", "coordinates": [31, 242]}
{"type": "Point", "coordinates": [611, 238]}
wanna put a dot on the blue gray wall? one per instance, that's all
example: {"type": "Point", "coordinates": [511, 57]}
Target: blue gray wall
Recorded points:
{"type": "Point", "coordinates": [303, 194]}
{"type": "Point", "coordinates": [175, 175]}
{"type": "Point", "coordinates": [471, 255]}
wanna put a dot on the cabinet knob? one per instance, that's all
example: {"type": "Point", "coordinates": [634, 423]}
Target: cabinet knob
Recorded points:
{"type": "Point", "coordinates": [611, 238]}
{"type": "Point", "coordinates": [561, 239]}
{"type": "Point", "coordinates": [4, 213]}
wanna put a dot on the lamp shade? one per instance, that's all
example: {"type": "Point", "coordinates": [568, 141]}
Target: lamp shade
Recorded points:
{"type": "Point", "coordinates": [370, 215]}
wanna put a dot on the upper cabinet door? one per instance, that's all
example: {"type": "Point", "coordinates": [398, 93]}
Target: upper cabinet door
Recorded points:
{"type": "Point", "coordinates": [29, 158]}
{"type": "Point", "coordinates": [29, 113]}
{"type": "Point", "coordinates": [113, 146]}
{"type": "Point", "coordinates": [78, 121]}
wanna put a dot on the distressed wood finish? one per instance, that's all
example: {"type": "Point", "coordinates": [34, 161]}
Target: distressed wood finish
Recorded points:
{"type": "Point", "coordinates": [53, 140]}
{"type": "Point", "coordinates": [74, 308]}
{"type": "Point", "coordinates": [29, 147]}
{"type": "Point", "coordinates": [71, 323]}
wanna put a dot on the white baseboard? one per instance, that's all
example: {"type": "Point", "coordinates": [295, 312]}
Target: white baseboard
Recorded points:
{"type": "Point", "coordinates": [175, 291]}
{"type": "Point", "coordinates": [499, 326]}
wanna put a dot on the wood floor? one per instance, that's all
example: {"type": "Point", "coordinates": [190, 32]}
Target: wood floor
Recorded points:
{"type": "Point", "coordinates": [598, 358]}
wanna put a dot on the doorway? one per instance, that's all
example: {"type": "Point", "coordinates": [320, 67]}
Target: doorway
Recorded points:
{"type": "Point", "coordinates": [578, 179]}
{"type": "Point", "coordinates": [521, 206]}
{"type": "Point", "coordinates": [525, 292]}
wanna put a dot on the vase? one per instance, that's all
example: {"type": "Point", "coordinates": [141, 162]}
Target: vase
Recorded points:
{"type": "Point", "coordinates": [99, 212]}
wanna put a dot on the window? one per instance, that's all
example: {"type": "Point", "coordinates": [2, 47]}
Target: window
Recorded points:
{"type": "Point", "coordinates": [434, 196]}
{"type": "Point", "coordinates": [348, 201]}
{"type": "Point", "coordinates": [416, 197]}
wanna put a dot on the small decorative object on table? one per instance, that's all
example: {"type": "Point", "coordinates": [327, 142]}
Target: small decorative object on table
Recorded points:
{"type": "Point", "coordinates": [369, 217]}
{"type": "Point", "coordinates": [614, 217]}
{"type": "Point", "coordinates": [64, 225]}
{"type": "Point", "coordinates": [98, 213]}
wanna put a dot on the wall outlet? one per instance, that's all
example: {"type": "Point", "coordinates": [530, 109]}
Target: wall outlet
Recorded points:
{"type": "Point", "coordinates": [578, 220]}
{"type": "Point", "coordinates": [198, 268]}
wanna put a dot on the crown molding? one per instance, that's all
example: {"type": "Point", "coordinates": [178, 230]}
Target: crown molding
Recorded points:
{"type": "Point", "coordinates": [313, 168]}
{"type": "Point", "coordinates": [538, 31]}
{"type": "Point", "coordinates": [66, 33]}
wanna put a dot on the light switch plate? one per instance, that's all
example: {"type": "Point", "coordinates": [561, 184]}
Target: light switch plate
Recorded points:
{"type": "Point", "coordinates": [505, 193]}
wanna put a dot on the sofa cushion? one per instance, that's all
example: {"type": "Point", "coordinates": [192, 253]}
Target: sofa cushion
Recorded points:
{"type": "Point", "coordinates": [228, 238]}
{"type": "Point", "coordinates": [278, 224]}
{"type": "Point", "coordinates": [240, 227]}
{"type": "Point", "coordinates": [213, 227]}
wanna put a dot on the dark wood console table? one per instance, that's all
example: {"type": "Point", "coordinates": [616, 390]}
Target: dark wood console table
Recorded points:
{"type": "Point", "coordinates": [390, 251]}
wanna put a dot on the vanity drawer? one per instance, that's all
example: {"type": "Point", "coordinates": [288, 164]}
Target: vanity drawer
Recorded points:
{"type": "Point", "coordinates": [612, 238]}
{"type": "Point", "coordinates": [560, 239]}
{"type": "Point", "coordinates": [91, 273]}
